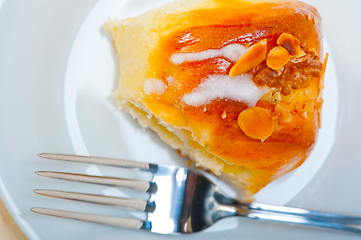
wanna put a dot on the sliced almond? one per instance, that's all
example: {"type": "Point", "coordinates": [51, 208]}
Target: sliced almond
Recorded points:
{"type": "Point", "coordinates": [300, 109]}
{"type": "Point", "coordinates": [299, 106]}
{"type": "Point", "coordinates": [252, 58]}
{"type": "Point", "coordinates": [313, 50]}
{"type": "Point", "coordinates": [319, 112]}
{"type": "Point", "coordinates": [312, 18]}
{"type": "Point", "coordinates": [303, 114]}
{"type": "Point", "coordinates": [224, 115]}
{"type": "Point", "coordinates": [282, 113]}
{"type": "Point", "coordinates": [256, 123]}
{"type": "Point", "coordinates": [299, 59]}
{"type": "Point", "coordinates": [312, 90]}
{"type": "Point", "coordinates": [309, 106]}
{"type": "Point", "coordinates": [321, 86]}
{"type": "Point", "coordinates": [322, 79]}
{"type": "Point", "coordinates": [277, 97]}
{"type": "Point", "coordinates": [278, 57]}
{"type": "Point", "coordinates": [268, 96]}
{"type": "Point", "coordinates": [287, 98]}
{"type": "Point", "coordinates": [292, 44]}
{"type": "Point", "coordinates": [273, 96]}
{"type": "Point", "coordinates": [280, 71]}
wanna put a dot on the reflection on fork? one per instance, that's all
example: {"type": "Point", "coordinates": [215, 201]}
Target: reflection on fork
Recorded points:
{"type": "Point", "coordinates": [181, 200]}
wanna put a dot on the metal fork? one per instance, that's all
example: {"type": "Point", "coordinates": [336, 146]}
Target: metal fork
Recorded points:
{"type": "Point", "coordinates": [181, 201]}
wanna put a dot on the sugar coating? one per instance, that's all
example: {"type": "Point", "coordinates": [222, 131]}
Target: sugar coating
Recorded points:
{"type": "Point", "coordinates": [240, 88]}
{"type": "Point", "coordinates": [170, 80]}
{"type": "Point", "coordinates": [154, 86]}
{"type": "Point", "coordinates": [233, 52]}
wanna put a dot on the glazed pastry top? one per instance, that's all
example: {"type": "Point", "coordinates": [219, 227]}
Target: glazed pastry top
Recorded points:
{"type": "Point", "coordinates": [209, 71]}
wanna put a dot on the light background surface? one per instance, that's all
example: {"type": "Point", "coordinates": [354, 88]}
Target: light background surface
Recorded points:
{"type": "Point", "coordinates": [36, 39]}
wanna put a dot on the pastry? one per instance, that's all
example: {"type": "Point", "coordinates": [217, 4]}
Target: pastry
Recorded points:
{"type": "Point", "coordinates": [234, 85]}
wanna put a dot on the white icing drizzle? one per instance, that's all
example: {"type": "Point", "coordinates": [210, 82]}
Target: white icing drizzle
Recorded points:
{"type": "Point", "coordinates": [154, 86]}
{"type": "Point", "coordinates": [232, 52]}
{"type": "Point", "coordinates": [239, 88]}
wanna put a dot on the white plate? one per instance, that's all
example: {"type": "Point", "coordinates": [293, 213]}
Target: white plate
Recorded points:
{"type": "Point", "coordinates": [32, 99]}
{"type": "Point", "coordinates": [97, 127]}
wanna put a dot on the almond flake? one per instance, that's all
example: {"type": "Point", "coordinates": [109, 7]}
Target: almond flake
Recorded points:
{"type": "Point", "coordinates": [224, 114]}
{"type": "Point", "coordinates": [292, 44]}
{"type": "Point", "coordinates": [278, 57]}
{"type": "Point", "coordinates": [252, 58]}
{"type": "Point", "coordinates": [280, 71]}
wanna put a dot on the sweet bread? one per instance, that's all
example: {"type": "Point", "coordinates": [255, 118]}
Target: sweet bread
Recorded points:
{"type": "Point", "coordinates": [235, 85]}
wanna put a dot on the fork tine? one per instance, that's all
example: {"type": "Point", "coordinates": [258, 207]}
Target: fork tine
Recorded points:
{"type": "Point", "coordinates": [103, 161]}
{"type": "Point", "coordinates": [138, 185]}
{"type": "Point", "coordinates": [136, 204]}
{"type": "Point", "coordinates": [107, 220]}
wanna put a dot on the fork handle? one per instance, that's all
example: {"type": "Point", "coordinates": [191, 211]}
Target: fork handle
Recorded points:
{"type": "Point", "coordinates": [291, 215]}
{"type": "Point", "coordinates": [323, 216]}
{"type": "Point", "coordinates": [287, 214]}
{"type": "Point", "coordinates": [294, 219]}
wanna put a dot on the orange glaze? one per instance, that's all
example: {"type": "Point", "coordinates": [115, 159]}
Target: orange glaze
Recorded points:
{"type": "Point", "coordinates": [290, 143]}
